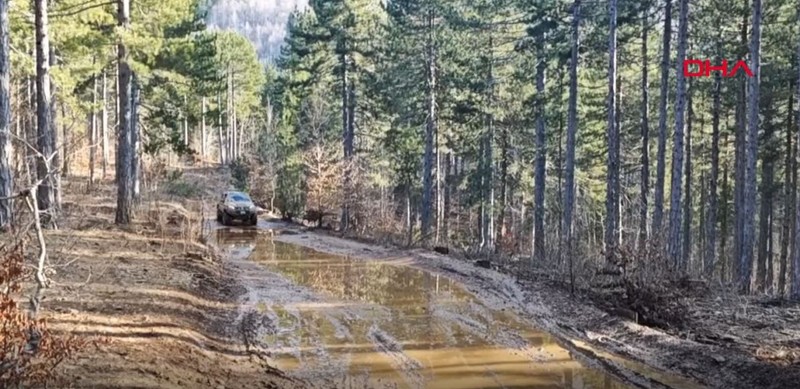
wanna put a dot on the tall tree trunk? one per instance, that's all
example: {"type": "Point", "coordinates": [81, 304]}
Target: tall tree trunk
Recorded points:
{"type": "Point", "coordinates": [58, 155]}
{"type": "Point", "coordinates": [230, 154]}
{"type": "Point", "coordinates": [661, 162]}
{"type": "Point", "coordinates": [135, 137]}
{"type": "Point", "coordinates": [65, 142]}
{"type": "Point", "coordinates": [449, 165]}
{"type": "Point", "coordinates": [686, 241]}
{"type": "Point", "coordinates": [124, 145]}
{"type": "Point", "coordinates": [31, 129]}
{"type": "Point", "coordinates": [93, 132]}
{"type": "Point", "coordinates": [203, 131]}
{"type": "Point", "coordinates": [185, 117]}
{"type": "Point", "coordinates": [104, 125]}
{"type": "Point", "coordinates": [645, 159]}
{"type": "Point", "coordinates": [788, 214]}
{"type": "Point", "coordinates": [500, 231]}
{"type": "Point", "coordinates": [6, 175]}
{"type": "Point", "coordinates": [220, 137]}
{"type": "Point", "coordinates": [765, 211]}
{"type": "Point", "coordinates": [751, 151]}
{"type": "Point", "coordinates": [674, 239]}
{"type": "Point", "coordinates": [723, 223]}
{"type": "Point", "coordinates": [44, 116]}
{"type": "Point", "coordinates": [794, 288]}
{"type": "Point", "coordinates": [741, 134]}
{"type": "Point", "coordinates": [541, 156]}
{"type": "Point", "coordinates": [709, 253]}
{"type": "Point", "coordinates": [347, 140]}
{"type": "Point", "coordinates": [612, 182]}
{"type": "Point", "coordinates": [489, 156]}
{"type": "Point", "coordinates": [572, 129]}
{"type": "Point", "coordinates": [237, 132]}
{"type": "Point", "coordinates": [430, 128]}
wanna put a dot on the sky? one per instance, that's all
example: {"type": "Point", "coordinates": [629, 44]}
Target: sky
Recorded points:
{"type": "Point", "coordinates": [261, 21]}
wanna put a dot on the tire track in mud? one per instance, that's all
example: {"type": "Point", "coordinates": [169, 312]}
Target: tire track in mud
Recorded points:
{"type": "Point", "coordinates": [496, 334]}
{"type": "Point", "coordinates": [409, 368]}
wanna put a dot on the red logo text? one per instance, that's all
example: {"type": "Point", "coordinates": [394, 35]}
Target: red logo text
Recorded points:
{"type": "Point", "coordinates": [703, 68]}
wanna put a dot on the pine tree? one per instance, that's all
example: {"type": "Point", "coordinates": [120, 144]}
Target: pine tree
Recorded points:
{"type": "Point", "coordinates": [6, 173]}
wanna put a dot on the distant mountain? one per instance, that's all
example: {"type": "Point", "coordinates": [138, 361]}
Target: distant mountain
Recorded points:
{"type": "Point", "coordinates": [261, 21]}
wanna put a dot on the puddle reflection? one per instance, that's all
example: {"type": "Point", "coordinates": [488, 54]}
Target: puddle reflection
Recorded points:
{"type": "Point", "coordinates": [400, 327]}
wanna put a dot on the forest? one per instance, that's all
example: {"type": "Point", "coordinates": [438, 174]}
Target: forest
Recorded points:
{"type": "Point", "coordinates": [565, 142]}
{"type": "Point", "coordinates": [562, 132]}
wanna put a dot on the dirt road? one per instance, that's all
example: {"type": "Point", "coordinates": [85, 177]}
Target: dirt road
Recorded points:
{"type": "Point", "coordinates": [353, 315]}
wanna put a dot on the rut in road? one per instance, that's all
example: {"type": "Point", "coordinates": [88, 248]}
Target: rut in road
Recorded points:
{"type": "Point", "coordinates": [337, 322]}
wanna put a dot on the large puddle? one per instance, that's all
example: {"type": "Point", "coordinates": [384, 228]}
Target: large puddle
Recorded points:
{"type": "Point", "coordinates": [340, 322]}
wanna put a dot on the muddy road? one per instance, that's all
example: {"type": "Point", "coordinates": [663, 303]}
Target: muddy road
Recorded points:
{"type": "Point", "coordinates": [335, 321]}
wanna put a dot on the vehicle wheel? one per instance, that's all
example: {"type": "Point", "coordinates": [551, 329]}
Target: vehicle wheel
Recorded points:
{"type": "Point", "coordinates": [219, 217]}
{"type": "Point", "coordinates": [226, 220]}
{"type": "Point", "coordinates": [253, 220]}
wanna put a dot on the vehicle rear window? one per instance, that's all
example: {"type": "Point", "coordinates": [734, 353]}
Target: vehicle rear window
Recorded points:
{"type": "Point", "coordinates": [237, 197]}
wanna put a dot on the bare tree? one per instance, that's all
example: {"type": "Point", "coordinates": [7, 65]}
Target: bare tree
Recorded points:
{"type": "Point", "coordinates": [6, 178]}
{"type": "Point", "coordinates": [430, 128]}
{"type": "Point", "coordinates": [541, 153]}
{"type": "Point", "coordinates": [645, 159]}
{"type": "Point", "coordinates": [674, 239]}
{"type": "Point", "coordinates": [136, 159]}
{"type": "Point", "coordinates": [751, 150]}
{"type": "Point", "coordinates": [788, 185]}
{"type": "Point", "coordinates": [104, 125]}
{"type": "Point", "coordinates": [612, 182]}
{"type": "Point", "coordinates": [686, 242]}
{"type": "Point", "coordinates": [124, 145]}
{"type": "Point", "coordinates": [44, 117]}
{"type": "Point", "coordinates": [794, 290]}
{"type": "Point", "coordinates": [661, 162]}
{"type": "Point", "coordinates": [92, 119]}
{"type": "Point", "coordinates": [709, 254]}
{"type": "Point", "coordinates": [572, 129]}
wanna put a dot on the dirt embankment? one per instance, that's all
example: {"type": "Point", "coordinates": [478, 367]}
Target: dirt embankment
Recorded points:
{"type": "Point", "coordinates": [727, 345]}
{"type": "Point", "coordinates": [163, 301]}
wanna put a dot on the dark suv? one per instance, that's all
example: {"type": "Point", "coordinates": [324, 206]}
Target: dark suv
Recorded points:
{"type": "Point", "coordinates": [236, 206]}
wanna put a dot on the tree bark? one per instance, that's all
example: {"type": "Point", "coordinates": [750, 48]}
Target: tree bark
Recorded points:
{"type": "Point", "coordinates": [203, 131]}
{"type": "Point", "coordinates": [430, 128]}
{"type": "Point", "coordinates": [794, 288]}
{"type": "Point", "coordinates": [93, 132]}
{"type": "Point", "coordinates": [572, 129]}
{"type": "Point", "coordinates": [541, 155]}
{"type": "Point", "coordinates": [612, 180]}
{"type": "Point", "coordinates": [44, 116]}
{"type": "Point", "coordinates": [658, 200]}
{"type": "Point", "coordinates": [6, 172]}
{"type": "Point", "coordinates": [751, 151]}
{"type": "Point", "coordinates": [674, 239]}
{"type": "Point", "coordinates": [644, 187]}
{"type": "Point", "coordinates": [709, 253]}
{"type": "Point", "coordinates": [347, 140]}
{"type": "Point", "coordinates": [185, 117]}
{"type": "Point", "coordinates": [686, 241]}
{"type": "Point", "coordinates": [741, 134]}
{"type": "Point", "coordinates": [765, 211]}
{"type": "Point", "coordinates": [104, 125]}
{"type": "Point", "coordinates": [135, 137]}
{"type": "Point", "coordinates": [723, 224]}
{"type": "Point", "coordinates": [124, 141]}
{"type": "Point", "coordinates": [58, 155]}
{"type": "Point", "coordinates": [786, 229]}
{"type": "Point", "coordinates": [220, 136]}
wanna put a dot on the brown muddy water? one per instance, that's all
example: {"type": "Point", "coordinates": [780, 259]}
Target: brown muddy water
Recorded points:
{"type": "Point", "coordinates": [338, 322]}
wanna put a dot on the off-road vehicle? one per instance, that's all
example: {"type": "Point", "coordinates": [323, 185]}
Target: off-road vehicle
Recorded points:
{"type": "Point", "coordinates": [236, 206]}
